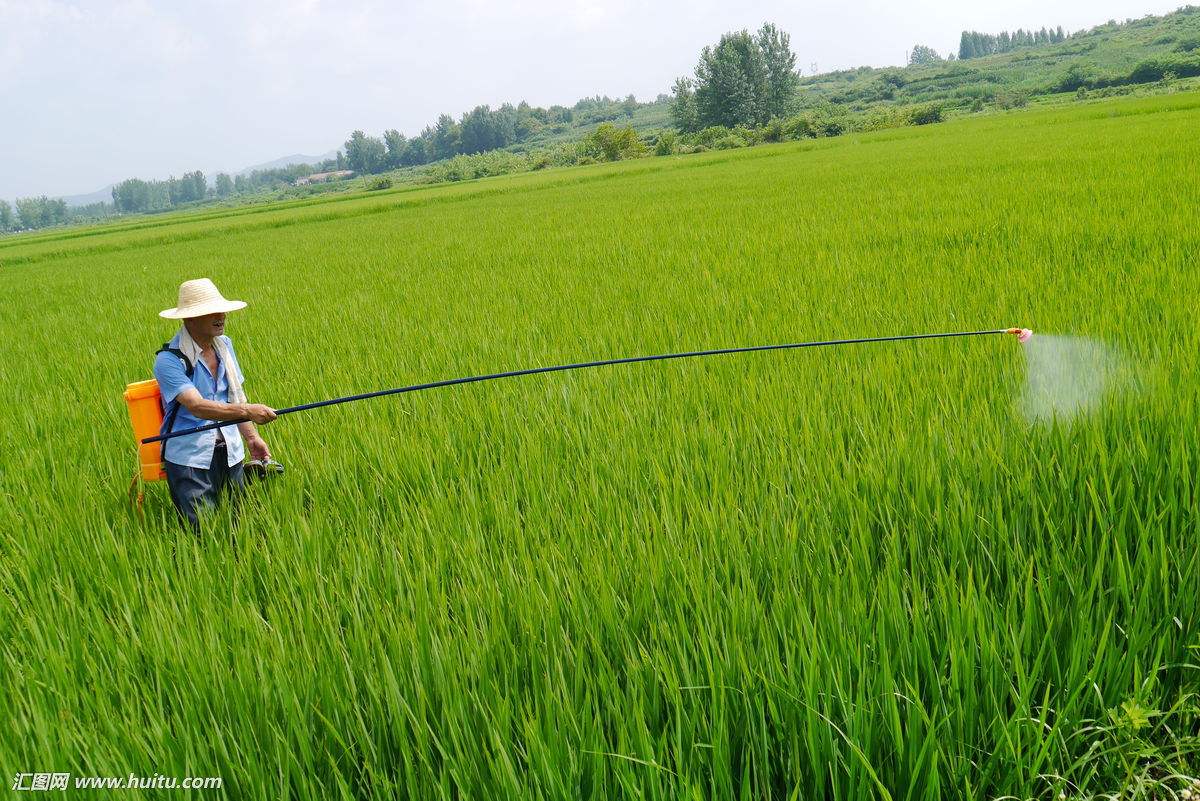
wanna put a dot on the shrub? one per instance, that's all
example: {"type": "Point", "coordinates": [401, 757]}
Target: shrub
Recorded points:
{"type": "Point", "coordinates": [881, 119]}
{"type": "Point", "coordinates": [1077, 76]}
{"type": "Point", "coordinates": [798, 127]}
{"type": "Point", "coordinates": [478, 165]}
{"type": "Point", "coordinates": [749, 136]}
{"type": "Point", "coordinates": [610, 143]}
{"type": "Point", "coordinates": [773, 130]}
{"type": "Point", "coordinates": [710, 135]}
{"type": "Point", "coordinates": [1155, 69]}
{"type": "Point", "coordinates": [926, 114]}
{"type": "Point", "coordinates": [379, 183]}
{"type": "Point", "coordinates": [1012, 98]}
{"type": "Point", "coordinates": [667, 143]}
{"type": "Point", "coordinates": [1148, 71]}
{"type": "Point", "coordinates": [830, 126]}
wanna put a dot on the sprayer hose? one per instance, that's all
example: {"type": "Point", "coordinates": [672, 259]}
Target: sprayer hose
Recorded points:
{"type": "Point", "coordinates": [578, 366]}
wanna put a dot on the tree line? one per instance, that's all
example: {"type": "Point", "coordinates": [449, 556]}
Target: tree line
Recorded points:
{"type": "Point", "coordinates": [137, 195]}
{"type": "Point", "coordinates": [478, 131]}
{"type": "Point", "coordinates": [33, 212]}
{"type": "Point", "coordinates": [974, 44]}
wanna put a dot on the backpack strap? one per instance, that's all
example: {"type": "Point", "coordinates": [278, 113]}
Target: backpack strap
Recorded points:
{"type": "Point", "coordinates": [188, 369]}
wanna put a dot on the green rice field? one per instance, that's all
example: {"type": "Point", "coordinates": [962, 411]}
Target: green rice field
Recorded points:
{"type": "Point", "coordinates": [864, 572]}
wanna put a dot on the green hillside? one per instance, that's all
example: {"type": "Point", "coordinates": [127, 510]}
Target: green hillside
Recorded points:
{"type": "Point", "coordinates": [1104, 58]}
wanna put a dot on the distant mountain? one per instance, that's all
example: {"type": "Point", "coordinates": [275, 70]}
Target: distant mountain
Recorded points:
{"type": "Point", "coordinates": [287, 161]}
{"type": "Point", "coordinates": [100, 195]}
{"type": "Point", "coordinates": [105, 194]}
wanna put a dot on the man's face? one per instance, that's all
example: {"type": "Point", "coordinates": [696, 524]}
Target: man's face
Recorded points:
{"type": "Point", "coordinates": [210, 325]}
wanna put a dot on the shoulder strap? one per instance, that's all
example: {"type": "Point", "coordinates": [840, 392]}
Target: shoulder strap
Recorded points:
{"type": "Point", "coordinates": [188, 367]}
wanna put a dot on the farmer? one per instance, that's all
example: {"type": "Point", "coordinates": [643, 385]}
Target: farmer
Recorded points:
{"type": "Point", "coordinates": [200, 380]}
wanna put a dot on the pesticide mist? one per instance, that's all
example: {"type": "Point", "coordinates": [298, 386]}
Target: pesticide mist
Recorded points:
{"type": "Point", "coordinates": [1066, 376]}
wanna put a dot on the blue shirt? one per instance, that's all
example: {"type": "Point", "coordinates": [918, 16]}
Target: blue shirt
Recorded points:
{"type": "Point", "coordinates": [196, 450]}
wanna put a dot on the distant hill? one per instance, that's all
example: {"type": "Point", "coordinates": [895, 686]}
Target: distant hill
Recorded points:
{"type": "Point", "coordinates": [1105, 57]}
{"type": "Point", "coordinates": [105, 195]}
{"type": "Point", "coordinates": [287, 161]}
{"type": "Point", "coordinates": [99, 196]}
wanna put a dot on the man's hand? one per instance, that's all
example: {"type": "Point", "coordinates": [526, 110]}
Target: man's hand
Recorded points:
{"type": "Point", "coordinates": [258, 449]}
{"type": "Point", "coordinates": [259, 413]}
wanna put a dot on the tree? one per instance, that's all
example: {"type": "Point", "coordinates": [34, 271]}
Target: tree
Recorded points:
{"type": "Point", "coordinates": [731, 82]}
{"type": "Point", "coordinates": [629, 105]}
{"type": "Point", "coordinates": [683, 107]}
{"type": "Point", "coordinates": [195, 187]}
{"type": "Point", "coordinates": [224, 185]}
{"type": "Point", "coordinates": [923, 55]}
{"type": "Point", "coordinates": [482, 129]}
{"type": "Point", "coordinates": [530, 120]}
{"type": "Point", "coordinates": [415, 152]}
{"type": "Point", "coordinates": [365, 154]}
{"type": "Point", "coordinates": [157, 196]}
{"type": "Point", "coordinates": [966, 46]}
{"type": "Point", "coordinates": [6, 216]}
{"type": "Point", "coordinates": [57, 209]}
{"type": "Point", "coordinates": [742, 80]}
{"type": "Point", "coordinates": [782, 79]}
{"type": "Point", "coordinates": [395, 143]}
{"type": "Point", "coordinates": [39, 212]}
{"type": "Point", "coordinates": [132, 194]}
{"type": "Point", "coordinates": [445, 138]}
{"type": "Point", "coordinates": [29, 210]}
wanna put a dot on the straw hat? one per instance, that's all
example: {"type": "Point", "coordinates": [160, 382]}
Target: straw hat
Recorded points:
{"type": "Point", "coordinates": [198, 298]}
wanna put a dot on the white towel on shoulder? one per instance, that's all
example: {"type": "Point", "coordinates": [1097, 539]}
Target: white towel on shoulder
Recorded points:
{"type": "Point", "coordinates": [190, 349]}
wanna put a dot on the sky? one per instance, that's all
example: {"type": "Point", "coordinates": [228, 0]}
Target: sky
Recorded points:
{"type": "Point", "coordinates": [95, 92]}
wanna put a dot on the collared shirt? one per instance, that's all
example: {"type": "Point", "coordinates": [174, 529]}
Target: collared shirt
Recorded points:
{"type": "Point", "coordinates": [196, 450]}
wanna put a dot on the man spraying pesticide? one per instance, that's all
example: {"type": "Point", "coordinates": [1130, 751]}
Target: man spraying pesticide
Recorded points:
{"type": "Point", "coordinates": [244, 414]}
{"type": "Point", "coordinates": [197, 378]}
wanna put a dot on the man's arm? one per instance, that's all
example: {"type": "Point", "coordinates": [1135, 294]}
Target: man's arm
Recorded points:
{"type": "Point", "coordinates": [195, 403]}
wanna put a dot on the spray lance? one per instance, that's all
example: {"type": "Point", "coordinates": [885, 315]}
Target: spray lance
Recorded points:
{"type": "Point", "coordinates": [1022, 334]}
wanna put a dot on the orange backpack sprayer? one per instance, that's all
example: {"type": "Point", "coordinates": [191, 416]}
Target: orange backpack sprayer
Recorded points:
{"type": "Point", "coordinates": [146, 415]}
{"type": "Point", "coordinates": [144, 400]}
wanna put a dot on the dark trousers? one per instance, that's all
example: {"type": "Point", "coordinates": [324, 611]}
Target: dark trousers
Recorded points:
{"type": "Point", "coordinates": [194, 489]}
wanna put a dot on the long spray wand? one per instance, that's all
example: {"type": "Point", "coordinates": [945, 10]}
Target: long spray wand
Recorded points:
{"type": "Point", "coordinates": [1022, 334]}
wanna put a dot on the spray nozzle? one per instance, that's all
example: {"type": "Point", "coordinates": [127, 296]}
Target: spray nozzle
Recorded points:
{"type": "Point", "coordinates": [1023, 335]}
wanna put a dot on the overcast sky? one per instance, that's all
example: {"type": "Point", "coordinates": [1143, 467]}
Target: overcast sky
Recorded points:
{"type": "Point", "coordinates": [94, 92]}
